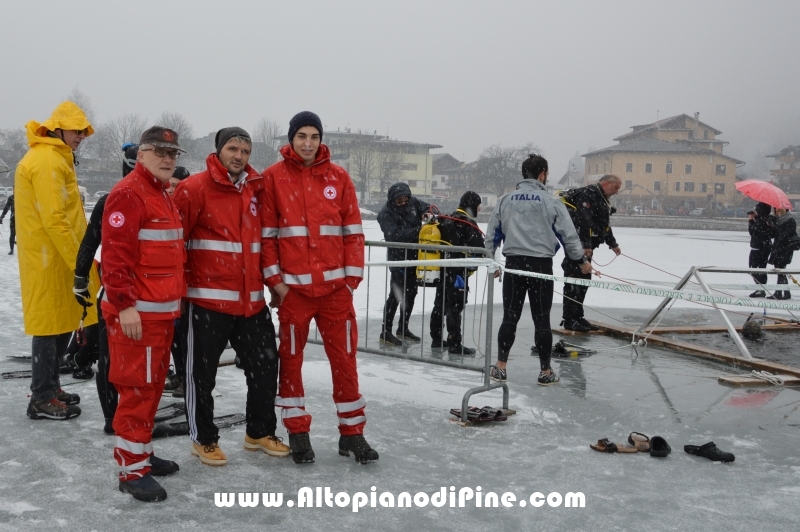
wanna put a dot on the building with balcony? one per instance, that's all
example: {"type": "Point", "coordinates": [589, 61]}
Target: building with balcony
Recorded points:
{"type": "Point", "coordinates": [674, 163]}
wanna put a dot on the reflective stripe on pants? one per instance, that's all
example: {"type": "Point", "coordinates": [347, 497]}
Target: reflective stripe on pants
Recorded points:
{"type": "Point", "coordinates": [295, 315]}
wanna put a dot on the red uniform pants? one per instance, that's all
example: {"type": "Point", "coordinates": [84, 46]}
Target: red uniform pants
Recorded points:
{"type": "Point", "coordinates": [138, 371]}
{"type": "Point", "coordinates": [335, 317]}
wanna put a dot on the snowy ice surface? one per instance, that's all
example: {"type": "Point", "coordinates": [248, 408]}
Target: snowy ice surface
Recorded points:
{"type": "Point", "coordinates": [61, 475]}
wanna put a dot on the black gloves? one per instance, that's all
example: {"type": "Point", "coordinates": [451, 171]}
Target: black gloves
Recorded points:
{"type": "Point", "coordinates": [81, 291]}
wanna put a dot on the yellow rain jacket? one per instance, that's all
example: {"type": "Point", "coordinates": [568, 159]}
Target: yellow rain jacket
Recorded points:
{"type": "Point", "coordinates": [51, 223]}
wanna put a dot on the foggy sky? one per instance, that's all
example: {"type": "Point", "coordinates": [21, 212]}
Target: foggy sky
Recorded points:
{"type": "Point", "coordinates": [565, 75]}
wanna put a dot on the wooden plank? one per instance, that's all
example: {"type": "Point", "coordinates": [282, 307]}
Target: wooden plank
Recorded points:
{"type": "Point", "coordinates": [749, 380]}
{"type": "Point", "coordinates": [706, 352]}
{"type": "Point", "coordinates": [697, 329]}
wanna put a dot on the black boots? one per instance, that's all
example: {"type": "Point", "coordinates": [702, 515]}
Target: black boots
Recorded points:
{"type": "Point", "coordinates": [144, 489]}
{"type": "Point", "coordinates": [300, 444]}
{"type": "Point", "coordinates": [363, 453]}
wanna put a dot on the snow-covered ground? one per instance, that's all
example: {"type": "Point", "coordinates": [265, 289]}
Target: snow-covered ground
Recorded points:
{"type": "Point", "coordinates": [60, 475]}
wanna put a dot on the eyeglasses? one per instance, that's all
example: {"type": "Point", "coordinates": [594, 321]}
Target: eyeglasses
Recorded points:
{"type": "Point", "coordinates": [80, 132]}
{"type": "Point", "coordinates": [163, 152]}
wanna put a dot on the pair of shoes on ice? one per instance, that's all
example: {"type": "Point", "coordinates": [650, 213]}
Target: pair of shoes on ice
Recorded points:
{"type": "Point", "coordinates": [61, 407]}
{"type": "Point", "coordinates": [578, 325]}
{"type": "Point", "coordinates": [387, 338]}
{"type": "Point", "coordinates": [211, 454]}
{"type": "Point", "coordinates": [302, 453]}
{"type": "Point", "coordinates": [656, 446]}
{"type": "Point", "coordinates": [146, 488]}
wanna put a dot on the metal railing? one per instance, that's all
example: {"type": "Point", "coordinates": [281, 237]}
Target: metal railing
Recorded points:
{"type": "Point", "coordinates": [417, 351]}
{"type": "Point", "coordinates": [695, 272]}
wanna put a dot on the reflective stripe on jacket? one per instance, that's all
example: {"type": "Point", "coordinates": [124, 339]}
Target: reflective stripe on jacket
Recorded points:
{"type": "Point", "coordinates": [222, 228]}
{"type": "Point", "coordinates": [143, 249]}
{"type": "Point", "coordinates": [313, 239]}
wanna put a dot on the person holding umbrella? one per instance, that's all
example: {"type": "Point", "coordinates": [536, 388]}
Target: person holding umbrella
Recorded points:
{"type": "Point", "coordinates": [785, 228]}
{"type": "Point", "coordinates": [761, 227]}
{"type": "Point", "coordinates": [786, 242]}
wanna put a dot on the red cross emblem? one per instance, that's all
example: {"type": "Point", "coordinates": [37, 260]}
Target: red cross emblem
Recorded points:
{"type": "Point", "coordinates": [329, 192]}
{"type": "Point", "coordinates": [116, 219]}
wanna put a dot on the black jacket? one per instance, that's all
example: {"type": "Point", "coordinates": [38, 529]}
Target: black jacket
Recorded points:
{"type": "Point", "coordinates": [761, 228]}
{"type": "Point", "coordinates": [91, 240]}
{"type": "Point", "coordinates": [461, 230]}
{"type": "Point", "coordinates": [591, 215]}
{"type": "Point", "coordinates": [785, 235]}
{"type": "Point", "coordinates": [9, 206]}
{"type": "Point", "coordinates": [401, 224]}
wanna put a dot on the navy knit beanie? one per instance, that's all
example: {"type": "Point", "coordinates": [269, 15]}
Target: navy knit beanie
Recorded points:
{"type": "Point", "coordinates": [302, 119]}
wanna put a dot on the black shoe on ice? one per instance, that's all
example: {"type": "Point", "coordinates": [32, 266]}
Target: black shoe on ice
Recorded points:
{"type": "Point", "coordinates": [407, 335]}
{"type": "Point", "coordinates": [161, 468]}
{"type": "Point", "coordinates": [300, 444]}
{"type": "Point", "coordinates": [387, 338]}
{"type": "Point", "coordinates": [357, 444]}
{"type": "Point", "coordinates": [144, 489]}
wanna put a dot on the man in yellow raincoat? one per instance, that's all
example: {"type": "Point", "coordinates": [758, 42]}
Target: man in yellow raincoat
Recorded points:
{"type": "Point", "coordinates": [50, 226]}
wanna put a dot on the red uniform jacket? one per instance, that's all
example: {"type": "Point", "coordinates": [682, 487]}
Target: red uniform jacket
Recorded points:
{"type": "Point", "coordinates": [143, 251]}
{"type": "Point", "coordinates": [312, 224]}
{"type": "Point", "coordinates": [222, 228]}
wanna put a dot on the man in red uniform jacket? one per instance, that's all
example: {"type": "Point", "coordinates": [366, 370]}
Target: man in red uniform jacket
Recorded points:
{"type": "Point", "coordinates": [143, 255]}
{"type": "Point", "coordinates": [314, 251]}
{"type": "Point", "coordinates": [225, 291]}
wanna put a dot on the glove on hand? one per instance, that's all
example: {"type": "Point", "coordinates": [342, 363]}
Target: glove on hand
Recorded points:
{"type": "Point", "coordinates": [81, 291]}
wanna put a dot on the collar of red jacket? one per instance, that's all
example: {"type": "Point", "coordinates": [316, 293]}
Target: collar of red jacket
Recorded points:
{"type": "Point", "coordinates": [148, 177]}
{"type": "Point", "coordinates": [220, 174]}
{"type": "Point", "coordinates": [289, 155]}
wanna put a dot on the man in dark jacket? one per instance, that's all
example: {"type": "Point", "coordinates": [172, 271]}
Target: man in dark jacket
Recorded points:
{"type": "Point", "coordinates": [590, 211]}
{"type": "Point", "coordinates": [400, 220]}
{"type": "Point", "coordinates": [459, 229]}
{"type": "Point", "coordinates": [784, 246]}
{"type": "Point", "coordinates": [12, 226]}
{"type": "Point", "coordinates": [762, 230]}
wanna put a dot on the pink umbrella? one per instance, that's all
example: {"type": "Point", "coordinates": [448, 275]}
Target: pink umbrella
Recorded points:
{"type": "Point", "coordinates": [764, 192]}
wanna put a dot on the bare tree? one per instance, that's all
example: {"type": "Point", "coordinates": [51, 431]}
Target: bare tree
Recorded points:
{"type": "Point", "coordinates": [498, 168]}
{"type": "Point", "coordinates": [82, 100]}
{"type": "Point", "coordinates": [177, 123]}
{"type": "Point", "coordinates": [13, 146]}
{"type": "Point", "coordinates": [365, 161]}
{"type": "Point", "coordinates": [390, 157]}
{"type": "Point", "coordinates": [106, 145]}
{"type": "Point", "coordinates": [267, 140]}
